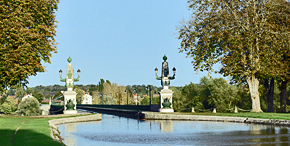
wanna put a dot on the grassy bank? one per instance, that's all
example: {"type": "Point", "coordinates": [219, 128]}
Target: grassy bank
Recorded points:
{"type": "Point", "coordinates": [33, 131]}
{"type": "Point", "coordinates": [280, 116]}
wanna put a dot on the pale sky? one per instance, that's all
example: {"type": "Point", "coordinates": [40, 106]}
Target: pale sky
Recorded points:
{"type": "Point", "coordinates": [119, 40]}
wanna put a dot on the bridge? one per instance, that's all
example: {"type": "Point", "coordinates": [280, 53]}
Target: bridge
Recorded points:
{"type": "Point", "coordinates": [133, 111]}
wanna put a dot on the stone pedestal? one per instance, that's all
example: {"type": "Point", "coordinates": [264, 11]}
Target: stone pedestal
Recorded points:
{"type": "Point", "coordinates": [166, 94]}
{"type": "Point", "coordinates": [70, 95]}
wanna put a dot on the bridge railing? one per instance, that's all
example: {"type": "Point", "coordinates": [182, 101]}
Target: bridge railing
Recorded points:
{"type": "Point", "coordinates": [126, 107]}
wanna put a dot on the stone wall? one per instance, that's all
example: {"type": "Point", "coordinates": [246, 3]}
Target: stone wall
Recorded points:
{"type": "Point", "coordinates": [55, 134]}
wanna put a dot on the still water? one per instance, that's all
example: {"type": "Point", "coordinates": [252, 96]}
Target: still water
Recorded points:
{"type": "Point", "coordinates": [121, 131]}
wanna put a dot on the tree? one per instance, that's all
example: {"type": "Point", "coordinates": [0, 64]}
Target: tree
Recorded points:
{"type": "Point", "coordinates": [26, 39]}
{"type": "Point", "coordinates": [8, 106]}
{"type": "Point", "coordinates": [47, 96]}
{"type": "Point", "coordinates": [222, 95]}
{"type": "Point", "coordinates": [28, 107]}
{"type": "Point", "coordinates": [20, 92]}
{"type": "Point", "coordinates": [28, 90]}
{"type": "Point", "coordinates": [80, 94]}
{"type": "Point", "coordinates": [38, 95]}
{"type": "Point", "coordinates": [240, 36]}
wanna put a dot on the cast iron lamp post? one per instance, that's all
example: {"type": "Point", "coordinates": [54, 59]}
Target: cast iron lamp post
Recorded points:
{"type": "Point", "coordinates": [127, 96]}
{"type": "Point", "coordinates": [165, 93]}
{"type": "Point", "coordinates": [119, 98]}
{"type": "Point", "coordinates": [149, 90]}
{"type": "Point", "coordinates": [102, 98]}
{"type": "Point", "coordinates": [69, 95]}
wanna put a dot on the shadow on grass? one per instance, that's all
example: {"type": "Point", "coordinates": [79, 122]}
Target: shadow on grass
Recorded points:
{"type": "Point", "coordinates": [25, 138]}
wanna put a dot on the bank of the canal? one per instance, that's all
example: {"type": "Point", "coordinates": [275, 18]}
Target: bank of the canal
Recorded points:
{"type": "Point", "coordinates": [180, 116]}
{"type": "Point", "coordinates": [37, 130]}
{"type": "Point", "coordinates": [55, 134]}
{"type": "Point", "coordinates": [279, 119]}
{"type": "Point", "coordinates": [31, 123]}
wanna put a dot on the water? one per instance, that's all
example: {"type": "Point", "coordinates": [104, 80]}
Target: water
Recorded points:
{"type": "Point", "coordinates": [120, 131]}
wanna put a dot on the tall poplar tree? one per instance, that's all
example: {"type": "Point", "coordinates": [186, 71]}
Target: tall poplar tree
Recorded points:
{"type": "Point", "coordinates": [27, 31]}
{"type": "Point", "coordinates": [238, 34]}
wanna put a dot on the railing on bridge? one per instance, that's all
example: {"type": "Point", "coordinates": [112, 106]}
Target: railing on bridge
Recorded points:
{"type": "Point", "coordinates": [126, 107]}
{"type": "Point", "coordinates": [58, 109]}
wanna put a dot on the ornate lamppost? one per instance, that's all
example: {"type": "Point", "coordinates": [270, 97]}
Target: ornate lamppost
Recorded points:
{"type": "Point", "coordinates": [165, 93]}
{"type": "Point", "coordinates": [127, 95]}
{"type": "Point", "coordinates": [149, 91]}
{"type": "Point", "coordinates": [69, 95]}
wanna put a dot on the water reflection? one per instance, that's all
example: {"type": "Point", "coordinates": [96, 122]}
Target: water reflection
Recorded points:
{"type": "Point", "coordinates": [166, 126]}
{"type": "Point", "coordinates": [114, 130]}
{"type": "Point", "coordinates": [70, 128]}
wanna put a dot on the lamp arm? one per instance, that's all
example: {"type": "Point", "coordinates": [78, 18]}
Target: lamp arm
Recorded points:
{"type": "Point", "coordinates": [173, 77]}
{"type": "Point", "coordinates": [158, 78]}
{"type": "Point", "coordinates": [77, 79]}
{"type": "Point", "coordinates": [62, 80]}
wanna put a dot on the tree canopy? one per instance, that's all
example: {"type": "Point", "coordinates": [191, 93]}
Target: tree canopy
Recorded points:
{"type": "Point", "coordinates": [241, 36]}
{"type": "Point", "coordinates": [27, 31]}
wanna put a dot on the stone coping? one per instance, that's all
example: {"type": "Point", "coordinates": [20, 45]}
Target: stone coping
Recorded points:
{"type": "Point", "coordinates": [158, 116]}
{"type": "Point", "coordinates": [55, 134]}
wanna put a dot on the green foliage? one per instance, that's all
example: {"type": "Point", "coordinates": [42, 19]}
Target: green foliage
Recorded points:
{"type": "Point", "coordinates": [19, 92]}
{"type": "Point", "coordinates": [11, 91]}
{"type": "Point", "coordinates": [250, 39]}
{"type": "Point", "coordinates": [155, 100]}
{"type": "Point", "coordinates": [38, 96]}
{"type": "Point", "coordinates": [80, 94]}
{"type": "Point", "coordinates": [26, 39]}
{"type": "Point", "coordinates": [47, 96]}
{"type": "Point", "coordinates": [9, 106]}
{"type": "Point", "coordinates": [28, 107]}
{"type": "Point", "coordinates": [210, 93]}
{"type": "Point", "coordinates": [29, 90]}
{"type": "Point", "coordinates": [222, 95]}
{"type": "Point", "coordinates": [145, 100]}
{"type": "Point", "coordinates": [3, 98]}
{"type": "Point", "coordinates": [109, 100]}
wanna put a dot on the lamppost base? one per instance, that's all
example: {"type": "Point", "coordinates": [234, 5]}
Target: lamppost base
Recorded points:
{"type": "Point", "coordinates": [166, 110]}
{"type": "Point", "coordinates": [70, 112]}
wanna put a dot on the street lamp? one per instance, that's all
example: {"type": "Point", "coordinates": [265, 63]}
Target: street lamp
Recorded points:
{"type": "Point", "coordinates": [149, 90]}
{"type": "Point", "coordinates": [127, 96]}
{"type": "Point", "coordinates": [119, 98]}
{"type": "Point", "coordinates": [60, 72]}
{"type": "Point", "coordinates": [156, 70]}
{"type": "Point", "coordinates": [174, 70]}
{"type": "Point", "coordinates": [79, 72]}
{"type": "Point", "coordinates": [102, 98]}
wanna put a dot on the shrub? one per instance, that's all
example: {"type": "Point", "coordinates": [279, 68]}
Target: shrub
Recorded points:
{"type": "Point", "coordinates": [8, 106]}
{"type": "Point", "coordinates": [28, 107]}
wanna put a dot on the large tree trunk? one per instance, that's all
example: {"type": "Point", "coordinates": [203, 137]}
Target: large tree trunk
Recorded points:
{"type": "Point", "coordinates": [269, 93]}
{"type": "Point", "coordinates": [253, 83]}
{"type": "Point", "coordinates": [283, 96]}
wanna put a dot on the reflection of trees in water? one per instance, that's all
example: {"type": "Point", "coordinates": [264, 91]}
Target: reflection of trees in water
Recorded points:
{"type": "Point", "coordinates": [284, 131]}
{"type": "Point", "coordinates": [269, 134]}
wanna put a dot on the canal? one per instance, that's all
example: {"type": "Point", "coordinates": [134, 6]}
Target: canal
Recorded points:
{"type": "Point", "coordinates": [121, 131]}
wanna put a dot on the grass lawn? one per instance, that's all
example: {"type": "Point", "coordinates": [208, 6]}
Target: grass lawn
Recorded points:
{"type": "Point", "coordinates": [281, 116]}
{"type": "Point", "coordinates": [33, 132]}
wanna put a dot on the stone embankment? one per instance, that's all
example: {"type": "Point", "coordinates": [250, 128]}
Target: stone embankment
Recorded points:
{"type": "Point", "coordinates": [55, 134]}
{"type": "Point", "coordinates": [156, 116]}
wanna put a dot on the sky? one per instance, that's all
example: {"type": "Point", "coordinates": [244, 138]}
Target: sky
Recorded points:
{"type": "Point", "coordinates": [122, 41]}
